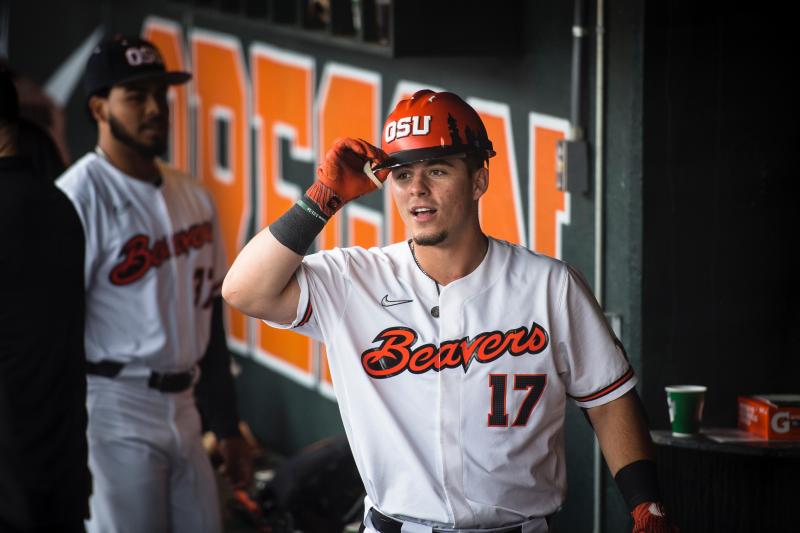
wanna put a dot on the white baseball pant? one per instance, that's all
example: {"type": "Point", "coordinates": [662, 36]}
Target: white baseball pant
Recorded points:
{"type": "Point", "coordinates": [150, 470]}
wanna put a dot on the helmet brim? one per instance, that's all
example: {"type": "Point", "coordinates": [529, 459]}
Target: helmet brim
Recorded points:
{"type": "Point", "coordinates": [407, 157]}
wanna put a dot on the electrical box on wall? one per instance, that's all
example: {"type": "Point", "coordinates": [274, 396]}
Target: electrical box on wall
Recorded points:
{"type": "Point", "coordinates": [572, 166]}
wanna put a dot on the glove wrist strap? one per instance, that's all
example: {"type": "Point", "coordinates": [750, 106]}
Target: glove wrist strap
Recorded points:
{"type": "Point", "coordinates": [325, 199]}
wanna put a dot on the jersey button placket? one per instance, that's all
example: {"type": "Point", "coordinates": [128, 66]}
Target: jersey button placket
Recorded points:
{"type": "Point", "coordinates": [445, 434]}
{"type": "Point", "coordinates": [450, 383]}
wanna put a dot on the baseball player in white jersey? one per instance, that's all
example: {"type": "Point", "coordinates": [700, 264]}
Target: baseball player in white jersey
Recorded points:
{"type": "Point", "coordinates": [452, 354]}
{"type": "Point", "coordinates": [154, 264]}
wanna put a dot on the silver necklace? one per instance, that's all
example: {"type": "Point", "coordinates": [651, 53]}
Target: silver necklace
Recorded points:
{"type": "Point", "coordinates": [435, 308]}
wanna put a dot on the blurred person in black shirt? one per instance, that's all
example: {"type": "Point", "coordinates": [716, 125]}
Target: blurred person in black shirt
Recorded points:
{"type": "Point", "coordinates": [44, 477]}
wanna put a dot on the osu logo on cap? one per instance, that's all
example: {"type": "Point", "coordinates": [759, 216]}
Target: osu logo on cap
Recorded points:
{"type": "Point", "coordinates": [142, 55]}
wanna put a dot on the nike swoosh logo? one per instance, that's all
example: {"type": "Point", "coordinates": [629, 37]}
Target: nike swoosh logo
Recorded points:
{"type": "Point", "coordinates": [386, 302]}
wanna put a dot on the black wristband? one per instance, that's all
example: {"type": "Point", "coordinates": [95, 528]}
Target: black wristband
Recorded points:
{"type": "Point", "coordinates": [638, 482]}
{"type": "Point", "coordinates": [299, 226]}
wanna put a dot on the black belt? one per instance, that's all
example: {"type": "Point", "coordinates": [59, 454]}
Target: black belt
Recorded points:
{"type": "Point", "coordinates": [384, 524]}
{"type": "Point", "coordinates": [162, 381]}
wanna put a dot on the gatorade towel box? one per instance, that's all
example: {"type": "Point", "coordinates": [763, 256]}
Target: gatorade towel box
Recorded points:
{"type": "Point", "coordinates": [771, 416]}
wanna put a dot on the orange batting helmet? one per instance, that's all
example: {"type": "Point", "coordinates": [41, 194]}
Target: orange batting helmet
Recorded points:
{"type": "Point", "coordinates": [432, 125]}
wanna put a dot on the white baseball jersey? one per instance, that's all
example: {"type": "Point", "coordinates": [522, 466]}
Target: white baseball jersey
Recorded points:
{"type": "Point", "coordinates": [154, 262]}
{"type": "Point", "coordinates": [458, 419]}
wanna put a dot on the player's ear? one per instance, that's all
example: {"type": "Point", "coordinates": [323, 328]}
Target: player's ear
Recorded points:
{"type": "Point", "coordinates": [480, 182]}
{"type": "Point", "coordinates": [98, 108]}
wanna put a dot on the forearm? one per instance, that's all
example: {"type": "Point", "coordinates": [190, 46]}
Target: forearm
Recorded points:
{"type": "Point", "coordinates": [621, 428]}
{"type": "Point", "coordinates": [622, 431]}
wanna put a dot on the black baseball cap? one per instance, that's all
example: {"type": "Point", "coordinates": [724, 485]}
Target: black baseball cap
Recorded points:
{"type": "Point", "coordinates": [124, 59]}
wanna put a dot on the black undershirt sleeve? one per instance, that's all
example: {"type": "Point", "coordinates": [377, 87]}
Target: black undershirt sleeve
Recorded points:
{"type": "Point", "coordinates": [215, 392]}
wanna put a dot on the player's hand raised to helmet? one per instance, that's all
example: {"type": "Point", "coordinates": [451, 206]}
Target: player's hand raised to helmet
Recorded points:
{"type": "Point", "coordinates": [346, 173]}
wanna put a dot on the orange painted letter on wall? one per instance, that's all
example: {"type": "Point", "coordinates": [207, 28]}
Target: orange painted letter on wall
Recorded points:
{"type": "Point", "coordinates": [549, 207]}
{"type": "Point", "coordinates": [168, 38]}
{"type": "Point", "coordinates": [223, 155]}
{"type": "Point", "coordinates": [282, 100]}
{"type": "Point", "coordinates": [501, 205]}
{"type": "Point", "coordinates": [364, 226]}
{"type": "Point", "coordinates": [348, 105]}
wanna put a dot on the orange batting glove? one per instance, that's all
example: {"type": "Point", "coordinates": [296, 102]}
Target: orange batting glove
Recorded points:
{"type": "Point", "coordinates": [346, 173]}
{"type": "Point", "coordinates": [649, 517]}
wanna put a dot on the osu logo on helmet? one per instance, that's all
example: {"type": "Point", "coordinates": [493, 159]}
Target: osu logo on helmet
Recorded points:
{"type": "Point", "coordinates": [404, 127]}
{"type": "Point", "coordinates": [431, 125]}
